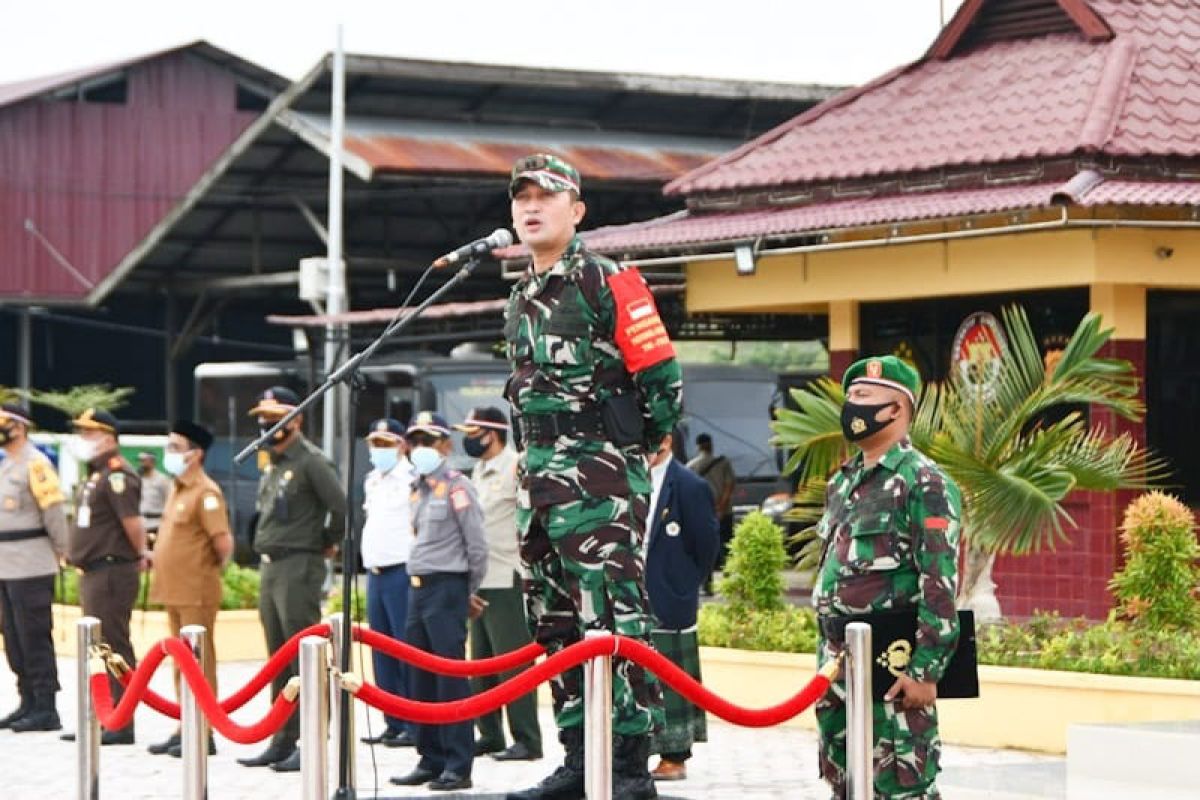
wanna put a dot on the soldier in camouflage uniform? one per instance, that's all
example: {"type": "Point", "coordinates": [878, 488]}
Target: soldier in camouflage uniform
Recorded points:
{"type": "Point", "coordinates": [890, 540]}
{"type": "Point", "coordinates": [594, 379]}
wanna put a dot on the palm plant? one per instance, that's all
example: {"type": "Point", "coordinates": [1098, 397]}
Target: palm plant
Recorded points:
{"type": "Point", "coordinates": [1016, 447]}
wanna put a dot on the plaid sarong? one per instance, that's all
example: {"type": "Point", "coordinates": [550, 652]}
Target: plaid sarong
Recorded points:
{"type": "Point", "coordinates": [684, 723]}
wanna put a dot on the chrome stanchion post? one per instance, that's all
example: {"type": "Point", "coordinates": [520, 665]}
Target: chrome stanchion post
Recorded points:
{"type": "Point", "coordinates": [340, 629]}
{"type": "Point", "coordinates": [193, 727]}
{"type": "Point", "coordinates": [597, 724]}
{"type": "Point", "coordinates": [87, 726]}
{"type": "Point", "coordinates": [314, 720]}
{"type": "Point", "coordinates": [860, 734]}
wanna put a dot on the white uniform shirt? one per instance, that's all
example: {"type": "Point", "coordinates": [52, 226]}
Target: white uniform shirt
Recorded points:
{"type": "Point", "coordinates": [388, 529]}
{"type": "Point", "coordinates": [496, 484]}
{"type": "Point", "coordinates": [658, 475]}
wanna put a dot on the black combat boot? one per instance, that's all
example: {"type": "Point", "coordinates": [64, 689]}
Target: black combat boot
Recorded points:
{"type": "Point", "coordinates": [566, 782]}
{"type": "Point", "coordinates": [42, 716]}
{"type": "Point", "coordinates": [21, 710]}
{"type": "Point", "coordinates": [631, 770]}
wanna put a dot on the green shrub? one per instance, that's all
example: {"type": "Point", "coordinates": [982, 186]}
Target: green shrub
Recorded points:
{"type": "Point", "coordinates": [1157, 588]}
{"type": "Point", "coordinates": [239, 588]}
{"type": "Point", "coordinates": [785, 630]}
{"type": "Point", "coordinates": [334, 602]}
{"type": "Point", "coordinates": [1114, 647]}
{"type": "Point", "coordinates": [753, 579]}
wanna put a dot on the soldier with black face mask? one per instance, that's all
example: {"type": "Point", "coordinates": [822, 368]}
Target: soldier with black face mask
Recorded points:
{"type": "Point", "coordinates": [302, 511]}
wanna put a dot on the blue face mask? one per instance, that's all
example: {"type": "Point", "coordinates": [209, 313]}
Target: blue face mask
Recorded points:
{"type": "Point", "coordinates": [174, 463]}
{"type": "Point", "coordinates": [384, 458]}
{"type": "Point", "coordinates": [425, 459]}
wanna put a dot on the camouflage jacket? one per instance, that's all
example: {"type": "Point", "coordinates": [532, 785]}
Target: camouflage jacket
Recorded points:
{"type": "Point", "coordinates": [890, 541]}
{"type": "Point", "coordinates": [560, 330]}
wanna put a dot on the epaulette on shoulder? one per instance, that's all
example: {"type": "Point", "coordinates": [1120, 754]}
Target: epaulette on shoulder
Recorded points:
{"type": "Point", "coordinates": [116, 463]}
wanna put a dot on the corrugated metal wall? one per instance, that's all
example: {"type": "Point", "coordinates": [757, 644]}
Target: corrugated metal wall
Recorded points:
{"type": "Point", "coordinates": [96, 177]}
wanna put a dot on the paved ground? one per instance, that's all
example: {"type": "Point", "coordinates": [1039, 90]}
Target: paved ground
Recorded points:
{"type": "Point", "coordinates": [775, 764]}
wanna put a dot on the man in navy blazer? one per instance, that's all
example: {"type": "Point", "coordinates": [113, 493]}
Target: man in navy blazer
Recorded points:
{"type": "Point", "coordinates": [681, 549]}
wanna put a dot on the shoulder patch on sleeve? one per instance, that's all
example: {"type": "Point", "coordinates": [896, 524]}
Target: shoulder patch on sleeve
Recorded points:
{"type": "Point", "coordinates": [460, 499]}
{"type": "Point", "coordinates": [639, 332]}
{"type": "Point", "coordinates": [43, 484]}
{"type": "Point", "coordinates": [211, 503]}
{"type": "Point", "coordinates": [116, 480]}
{"type": "Point", "coordinates": [937, 523]}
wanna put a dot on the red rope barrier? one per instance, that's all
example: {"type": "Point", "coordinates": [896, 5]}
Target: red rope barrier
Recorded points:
{"type": "Point", "coordinates": [275, 664]}
{"type": "Point", "coordinates": [447, 666]}
{"type": "Point", "coordinates": [573, 656]}
{"type": "Point", "coordinates": [115, 718]}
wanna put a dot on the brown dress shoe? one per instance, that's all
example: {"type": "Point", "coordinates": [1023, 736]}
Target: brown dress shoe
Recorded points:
{"type": "Point", "coordinates": [669, 770]}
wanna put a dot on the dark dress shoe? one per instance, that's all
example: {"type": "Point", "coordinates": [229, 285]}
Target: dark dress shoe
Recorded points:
{"type": "Point", "coordinates": [518, 752]}
{"type": "Point", "coordinates": [450, 782]}
{"type": "Point", "coordinates": [401, 739]}
{"type": "Point", "coordinates": [417, 777]}
{"type": "Point", "coordinates": [176, 750]}
{"type": "Point", "coordinates": [379, 738]}
{"type": "Point", "coordinates": [267, 757]}
{"type": "Point", "coordinates": [123, 736]}
{"type": "Point", "coordinates": [289, 764]}
{"type": "Point", "coordinates": [483, 747]}
{"type": "Point", "coordinates": [165, 746]}
{"type": "Point", "coordinates": [67, 737]}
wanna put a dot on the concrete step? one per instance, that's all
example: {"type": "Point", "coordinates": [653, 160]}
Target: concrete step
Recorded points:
{"type": "Point", "coordinates": [1149, 761]}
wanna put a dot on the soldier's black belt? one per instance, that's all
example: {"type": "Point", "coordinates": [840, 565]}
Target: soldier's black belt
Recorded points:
{"type": "Point", "coordinates": [545, 428]}
{"type": "Point", "coordinates": [893, 642]}
{"type": "Point", "coordinates": [280, 553]}
{"type": "Point", "coordinates": [105, 562]}
{"type": "Point", "coordinates": [22, 535]}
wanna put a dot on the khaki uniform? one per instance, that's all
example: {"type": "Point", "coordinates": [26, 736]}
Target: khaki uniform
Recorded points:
{"type": "Point", "coordinates": [33, 533]}
{"type": "Point", "coordinates": [99, 547]}
{"type": "Point", "coordinates": [187, 570]}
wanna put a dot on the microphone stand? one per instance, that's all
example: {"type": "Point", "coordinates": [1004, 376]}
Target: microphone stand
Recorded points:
{"type": "Point", "coordinates": [348, 373]}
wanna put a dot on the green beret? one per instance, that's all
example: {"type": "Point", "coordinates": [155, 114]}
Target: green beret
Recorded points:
{"type": "Point", "coordinates": [885, 371]}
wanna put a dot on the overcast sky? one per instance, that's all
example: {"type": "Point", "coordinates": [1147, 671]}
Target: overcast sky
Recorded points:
{"type": "Point", "coordinates": [804, 41]}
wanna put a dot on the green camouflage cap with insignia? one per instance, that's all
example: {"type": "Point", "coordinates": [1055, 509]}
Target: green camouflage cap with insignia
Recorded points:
{"type": "Point", "coordinates": [887, 371]}
{"type": "Point", "coordinates": [547, 171]}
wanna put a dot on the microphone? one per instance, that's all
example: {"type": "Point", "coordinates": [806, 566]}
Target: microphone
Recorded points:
{"type": "Point", "coordinates": [493, 241]}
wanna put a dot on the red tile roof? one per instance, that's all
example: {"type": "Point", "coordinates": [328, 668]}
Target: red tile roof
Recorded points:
{"type": "Point", "coordinates": [1137, 94]}
{"type": "Point", "coordinates": [709, 228]}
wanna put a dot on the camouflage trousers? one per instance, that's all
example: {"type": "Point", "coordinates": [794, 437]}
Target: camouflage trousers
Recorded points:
{"type": "Point", "coordinates": [585, 572]}
{"type": "Point", "coordinates": [907, 750]}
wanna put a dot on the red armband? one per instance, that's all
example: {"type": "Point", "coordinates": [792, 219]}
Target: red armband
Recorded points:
{"type": "Point", "coordinates": [640, 332]}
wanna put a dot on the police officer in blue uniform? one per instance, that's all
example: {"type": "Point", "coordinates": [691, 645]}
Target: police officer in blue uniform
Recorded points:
{"type": "Point", "coordinates": [446, 565]}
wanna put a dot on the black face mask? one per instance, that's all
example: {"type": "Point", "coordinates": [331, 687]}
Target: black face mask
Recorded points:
{"type": "Point", "coordinates": [278, 436]}
{"type": "Point", "coordinates": [858, 420]}
{"type": "Point", "coordinates": [474, 446]}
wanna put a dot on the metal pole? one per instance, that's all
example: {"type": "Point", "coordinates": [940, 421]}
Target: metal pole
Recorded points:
{"type": "Point", "coordinates": [24, 350]}
{"type": "Point", "coordinates": [87, 734]}
{"type": "Point", "coordinates": [339, 626]}
{"type": "Point", "coordinates": [335, 302]}
{"type": "Point", "coordinates": [314, 719]}
{"type": "Point", "coordinates": [860, 734]}
{"type": "Point", "coordinates": [597, 724]}
{"type": "Point", "coordinates": [194, 730]}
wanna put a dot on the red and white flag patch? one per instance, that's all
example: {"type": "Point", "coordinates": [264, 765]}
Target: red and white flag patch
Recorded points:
{"type": "Point", "coordinates": [640, 332]}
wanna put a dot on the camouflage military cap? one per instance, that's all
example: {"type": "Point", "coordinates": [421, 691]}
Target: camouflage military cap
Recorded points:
{"type": "Point", "coordinates": [885, 371]}
{"type": "Point", "coordinates": [547, 171]}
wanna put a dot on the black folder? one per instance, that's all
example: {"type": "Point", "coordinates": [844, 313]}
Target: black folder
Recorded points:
{"type": "Point", "coordinates": [893, 641]}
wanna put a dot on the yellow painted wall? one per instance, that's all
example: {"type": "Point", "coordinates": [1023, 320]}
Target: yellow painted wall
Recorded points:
{"type": "Point", "coordinates": [990, 264]}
